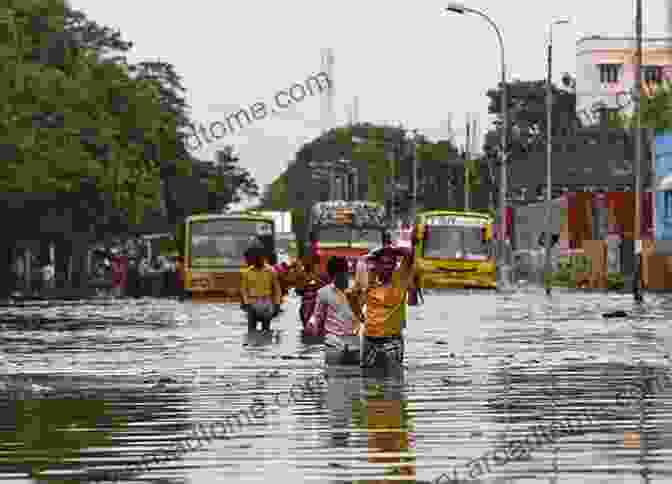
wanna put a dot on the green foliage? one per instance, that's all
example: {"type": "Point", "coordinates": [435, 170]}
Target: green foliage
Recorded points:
{"type": "Point", "coordinates": [378, 168]}
{"type": "Point", "coordinates": [656, 110]}
{"type": "Point", "coordinates": [615, 281]}
{"type": "Point", "coordinates": [276, 195]}
{"type": "Point", "coordinates": [70, 110]}
{"type": "Point", "coordinates": [527, 114]}
{"type": "Point", "coordinates": [298, 227]}
{"type": "Point", "coordinates": [569, 267]}
{"type": "Point", "coordinates": [472, 174]}
{"type": "Point", "coordinates": [230, 183]}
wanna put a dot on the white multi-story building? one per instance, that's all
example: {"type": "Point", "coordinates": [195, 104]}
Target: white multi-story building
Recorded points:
{"type": "Point", "coordinates": [605, 71]}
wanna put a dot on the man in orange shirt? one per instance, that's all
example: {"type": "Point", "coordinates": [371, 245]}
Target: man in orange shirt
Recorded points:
{"type": "Point", "coordinates": [385, 295]}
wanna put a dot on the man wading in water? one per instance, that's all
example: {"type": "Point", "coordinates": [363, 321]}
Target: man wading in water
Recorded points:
{"type": "Point", "coordinates": [260, 291]}
{"type": "Point", "coordinates": [385, 291]}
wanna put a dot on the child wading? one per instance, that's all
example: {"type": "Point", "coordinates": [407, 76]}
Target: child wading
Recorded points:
{"type": "Point", "coordinates": [385, 291]}
{"type": "Point", "coordinates": [260, 291]}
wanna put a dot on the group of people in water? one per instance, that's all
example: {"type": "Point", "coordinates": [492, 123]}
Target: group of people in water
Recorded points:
{"type": "Point", "coordinates": [361, 323]}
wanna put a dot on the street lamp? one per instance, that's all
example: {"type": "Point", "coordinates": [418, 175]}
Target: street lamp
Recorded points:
{"type": "Point", "coordinates": [504, 268]}
{"type": "Point", "coordinates": [549, 151]}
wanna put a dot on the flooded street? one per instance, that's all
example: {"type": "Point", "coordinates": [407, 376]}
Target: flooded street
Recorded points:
{"type": "Point", "coordinates": [97, 386]}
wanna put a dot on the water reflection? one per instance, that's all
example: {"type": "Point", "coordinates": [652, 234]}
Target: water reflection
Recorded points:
{"type": "Point", "coordinates": [255, 337]}
{"type": "Point", "coordinates": [368, 414]}
{"type": "Point", "coordinates": [616, 411]}
{"type": "Point", "coordinates": [69, 434]}
{"type": "Point", "coordinates": [521, 362]}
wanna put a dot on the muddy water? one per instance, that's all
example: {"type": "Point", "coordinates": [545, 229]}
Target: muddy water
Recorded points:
{"type": "Point", "coordinates": [88, 387]}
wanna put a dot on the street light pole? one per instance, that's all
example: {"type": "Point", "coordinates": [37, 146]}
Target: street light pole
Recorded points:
{"type": "Point", "coordinates": [503, 262]}
{"type": "Point", "coordinates": [549, 154]}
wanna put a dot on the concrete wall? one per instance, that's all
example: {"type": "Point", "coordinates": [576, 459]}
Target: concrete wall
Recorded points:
{"type": "Point", "coordinates": [530, 222]}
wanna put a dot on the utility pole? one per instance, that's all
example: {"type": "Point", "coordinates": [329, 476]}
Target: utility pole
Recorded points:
{"type": "Point", "coordinates": [467, 167]}
{"type": "Point", "coordinates": [638, 153]}
{"type": "Point", "coordinates": [549, 154]}
{"type": "Point", "coordinates": [396, 155]}
{"type": "Point", "coordinates": [505, 268]}
{"type": "Point", "coordinates": [414, 193]}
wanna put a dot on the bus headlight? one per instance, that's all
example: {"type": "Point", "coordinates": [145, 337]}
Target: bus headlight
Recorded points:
{"type": "Point", "coordinates": [200, 283]}
{"type": "Point", "coordinates": [486, 267]}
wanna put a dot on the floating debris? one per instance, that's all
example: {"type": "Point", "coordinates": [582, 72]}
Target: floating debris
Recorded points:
{"type": "Point", "coordinates": [615, 314]}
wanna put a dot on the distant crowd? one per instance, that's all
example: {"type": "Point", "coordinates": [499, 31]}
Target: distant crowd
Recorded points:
{"type": "Point", "coordinates": [128, 270]}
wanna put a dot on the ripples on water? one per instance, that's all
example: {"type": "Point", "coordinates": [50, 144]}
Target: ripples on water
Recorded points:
{"type": "Point", "coordinates": [101, 384]}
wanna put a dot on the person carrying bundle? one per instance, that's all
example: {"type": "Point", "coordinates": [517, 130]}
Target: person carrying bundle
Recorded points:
{"type": "Point", "coordinates": [385, 291]}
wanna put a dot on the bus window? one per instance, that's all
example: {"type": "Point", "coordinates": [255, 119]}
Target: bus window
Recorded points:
{"type": "Point", "coordinates": [373, 237]}
{"type": "Point", "coordinates": [335, 234]}
{"type": "Point", "coordinates": [454, 242]}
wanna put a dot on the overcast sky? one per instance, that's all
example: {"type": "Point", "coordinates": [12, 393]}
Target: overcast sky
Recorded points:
{"type": "Point", "coordinates": [407, 62]}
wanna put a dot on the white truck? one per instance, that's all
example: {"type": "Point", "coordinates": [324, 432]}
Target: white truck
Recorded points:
{"type": "Point", "coordinates": [285, 241]}
{"type": "Point", "coordinates": [282, 219]}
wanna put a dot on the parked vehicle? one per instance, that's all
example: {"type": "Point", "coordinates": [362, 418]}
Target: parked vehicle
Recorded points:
{"type": "Point", "coordinates": [347, 229]}
{"type": "Point", "coordinates": [455, 249]}
{"type": "Point", "coordinates": [214, 251]}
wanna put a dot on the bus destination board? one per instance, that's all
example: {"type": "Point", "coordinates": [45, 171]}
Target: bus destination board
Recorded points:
{"type": "Point", "coordinates": [455, 221]}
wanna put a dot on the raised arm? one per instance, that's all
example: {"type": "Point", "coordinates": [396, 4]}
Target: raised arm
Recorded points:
{"type": "Point", "coordinates": [408, 267]}
{"type": "Point", "coordinates": [277, 291]}
{"type": "Point", "coordinates": [243, 288]}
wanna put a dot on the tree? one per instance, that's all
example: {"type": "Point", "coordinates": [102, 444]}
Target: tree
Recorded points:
{"type": "Point", "coordinates": [71, 112]}
{"type": "Point", "coordinates": [81, 123]}
{"type": "Point", "coordinates": [276, 196]}
{"type": "Point", "coordinates": [527, 114]}
{"type": "Point", "coordinates": [656, 110]}
{"type": "Point", "coordinates": [472, 175]}
{"type": "Point", "coordinates": [230, 184]}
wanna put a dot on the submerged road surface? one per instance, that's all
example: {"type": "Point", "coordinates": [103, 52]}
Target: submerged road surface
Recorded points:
{"type": "Point", "coordinates": [99, 386]}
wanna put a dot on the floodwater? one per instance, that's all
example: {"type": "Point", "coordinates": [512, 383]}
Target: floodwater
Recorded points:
{"type": "Point", "coordinates": [96, 386]}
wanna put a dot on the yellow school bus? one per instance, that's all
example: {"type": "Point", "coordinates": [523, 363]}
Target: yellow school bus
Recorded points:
{"type": "Point", "coordinates": [454, 249]}
{"type": "Point", "coordinates": [215, 245]}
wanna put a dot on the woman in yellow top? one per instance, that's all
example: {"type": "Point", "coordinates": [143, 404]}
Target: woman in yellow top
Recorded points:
{"type": "Point", "coordinates": [260, 291]}
{"type": "Point", "coordinates": [385, 292]}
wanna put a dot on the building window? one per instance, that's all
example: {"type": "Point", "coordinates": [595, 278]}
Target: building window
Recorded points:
{"type": "Point", "coordinates": [652, 74]}
{"type": "Point", "coordinates": [609, 73]}
{"type": "Point", "coordinates": [668, 204]}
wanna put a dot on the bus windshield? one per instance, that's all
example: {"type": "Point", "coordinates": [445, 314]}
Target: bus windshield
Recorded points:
{"type": "Point", "coordinates": [223, 242]}
{"type": "Point", "coordinates": [349, 235]}
{"type": "Point", "coordinates": [373, 237]}
{"type": "Point", "coordinates": [455, 243]}
{"type": "Point", "coordinates": [335, 234]}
